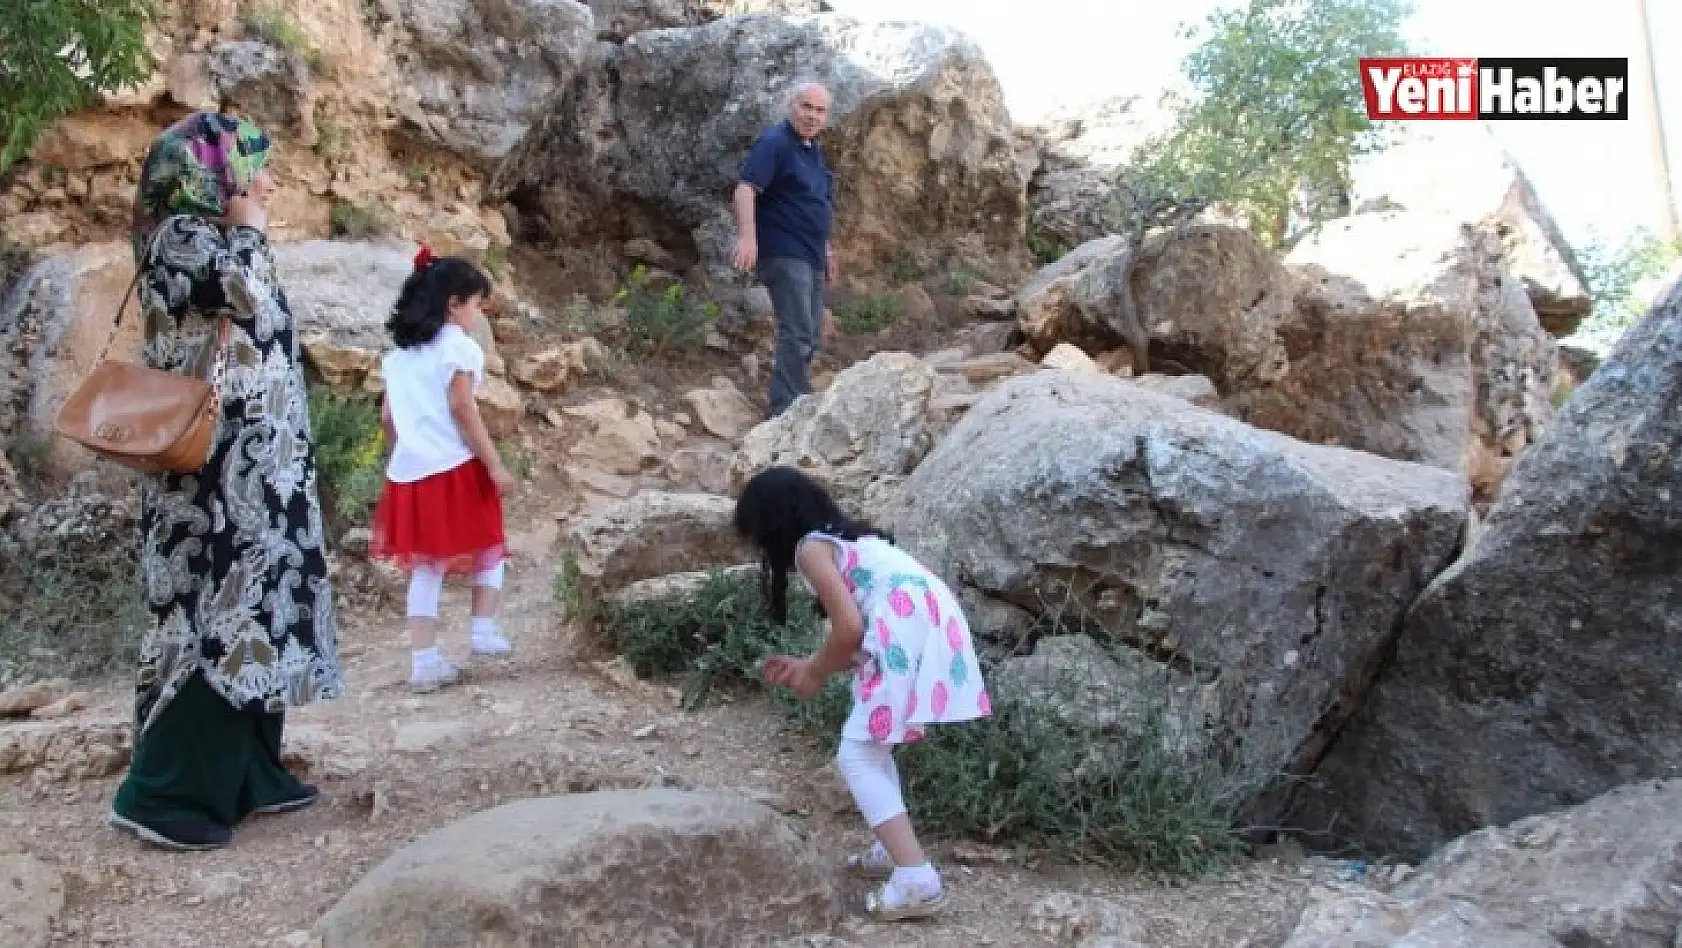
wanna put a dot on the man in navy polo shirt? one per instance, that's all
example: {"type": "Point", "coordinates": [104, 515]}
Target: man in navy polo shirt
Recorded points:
{"type": "Point", "coordinates": [784, 211]}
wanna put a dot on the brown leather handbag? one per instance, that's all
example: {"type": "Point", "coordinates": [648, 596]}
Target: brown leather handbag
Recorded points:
{"type": "Point", "coordinates": [147, 419]}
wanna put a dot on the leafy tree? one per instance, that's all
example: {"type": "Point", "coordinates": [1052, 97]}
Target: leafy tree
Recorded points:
{"type": "Point", "coordinates": [57, 55]}
{"type": "Point", "coordinates": [1621, 279]}
{"type": "Point", "coordinates": [1277, 113]}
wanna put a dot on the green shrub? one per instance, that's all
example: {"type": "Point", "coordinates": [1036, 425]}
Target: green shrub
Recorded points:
{"type": "Point", "coordinates": [331, 141]}
{"type": "Point", "coordinates": [70, 604]}
{"type": "Point", "coordinates": [29, 451]}
{"type": "Point", "coordinates": [717, 635]}
{"type": "Point", "coordinates": [659, 322]}
{"type": "Point", "coordinates": [349, 451]}
{"type": "Point", "coordinates": [359, 221]}
{"type": "Point", "coordinates": [279, 28]}
{"type": "Point", "coordinates": [1024, 775]}
{"type": "Point", "coordinates": [867, 315]}
{"type": "Point", "coordinates": [960, 281]}
{"type": "Point", "coordinates": [1145, 797]}
{"type": "Point", "coordinates": [571, 595]}
{"type": "Point", "coordinates": [1044, 248]}
{"type": "Point", "coordinates": [496, 262]}
{"type": "Point", "coordinates": [905, 269]}
{"type": "Point", "coordinates": [417, 171]}
{"type": "Point", "coordinates": [517, 461]}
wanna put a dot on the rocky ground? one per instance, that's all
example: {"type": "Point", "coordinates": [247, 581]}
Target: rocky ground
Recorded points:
{"type": "Point", "coordinates": [557, 718]}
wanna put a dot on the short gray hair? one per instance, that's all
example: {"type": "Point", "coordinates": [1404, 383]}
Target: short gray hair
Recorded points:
{"type": "Point", "coordinates": [799, 86]}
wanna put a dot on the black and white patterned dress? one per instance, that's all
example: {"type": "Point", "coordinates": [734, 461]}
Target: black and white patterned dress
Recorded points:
{"type": "Point", "coordinates": [233, 556]}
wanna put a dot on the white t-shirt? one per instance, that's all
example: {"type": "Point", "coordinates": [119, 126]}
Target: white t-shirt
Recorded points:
{"type": "Point", "coordinates": [417, 387]}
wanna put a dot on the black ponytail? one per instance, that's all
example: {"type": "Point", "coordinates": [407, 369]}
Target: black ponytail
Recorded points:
{"type": "Point", "coordinates": [778, 507]}
{"type": "Point", "coordinates": [423, 306]}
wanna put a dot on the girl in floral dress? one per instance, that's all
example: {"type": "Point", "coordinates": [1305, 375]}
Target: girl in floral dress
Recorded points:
{"type": "Point", "coordinates": [901, 632]}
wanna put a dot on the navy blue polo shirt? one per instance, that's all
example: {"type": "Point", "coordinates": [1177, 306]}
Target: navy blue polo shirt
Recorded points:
{"type": "Point", "coordinates": [793, 214]}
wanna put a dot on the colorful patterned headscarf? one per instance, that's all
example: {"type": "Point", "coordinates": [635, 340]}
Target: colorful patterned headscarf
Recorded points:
{"type": "Point", "coordinates": [194, 167]}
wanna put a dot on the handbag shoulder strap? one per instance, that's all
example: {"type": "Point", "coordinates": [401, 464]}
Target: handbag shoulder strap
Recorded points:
{"type": "Point", "coordinates": [140, 271]}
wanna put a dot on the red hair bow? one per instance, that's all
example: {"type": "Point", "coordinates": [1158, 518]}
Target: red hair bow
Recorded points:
{"type": "Point", "coordinates": [423, 258]}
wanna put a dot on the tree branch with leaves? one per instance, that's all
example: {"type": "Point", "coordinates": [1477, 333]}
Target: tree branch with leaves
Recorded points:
{"type": "Point", "coordinates": [57, 56]}
{"type": "Point", "coordinates": [1276, 111]}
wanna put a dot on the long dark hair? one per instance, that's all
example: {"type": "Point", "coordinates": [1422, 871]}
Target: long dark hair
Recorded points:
{"type": "Point", "coordinates": [778, 507]}
{"type": "Point", "coordinates": [423, 307]}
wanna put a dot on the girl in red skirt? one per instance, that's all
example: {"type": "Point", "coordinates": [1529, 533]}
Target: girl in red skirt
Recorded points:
{"type": "Point", "coordinates": [441, 509]}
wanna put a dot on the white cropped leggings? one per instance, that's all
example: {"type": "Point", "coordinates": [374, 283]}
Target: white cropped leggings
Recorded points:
{"type": "Point", "coordinates": [868, 768]}
{"type": "Point", "coordinates": [426, 584]}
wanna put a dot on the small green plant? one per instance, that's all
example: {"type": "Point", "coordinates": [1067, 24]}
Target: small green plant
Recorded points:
{"type": "Point", "coordinates": [331, 142]}
{"type": "Point", "coordinates": [905, 269]}
{"type": "Point", "coordinates": [359, 221]}
{"type": "Point", "coordinates": [867, 315]}
{"type": "Point", "coordinates": [517, 461]}
{"type": "Point", "coordinates": [659, 322]}
{"type": "Point", "coordinates": [717, 635]}
{"type": "Point", "coordinates": [29, 451]}
{"type": "Point", "coordinates": [71, 603]}
{"type": "Point", "coordinates": [1044, 248]}
{"type": "Point", "coordinates": [496, 262]}
{"type": "Point", "coordinates": [571, 594]}
{"type": "Point", "coordinates": [960, 281]}
{"type": "Point", "coordinates": [417, 171]}
{"type": "Point", "coordinates": [280, 29]}
{"type": "Point", "coordinates": [349, 451]}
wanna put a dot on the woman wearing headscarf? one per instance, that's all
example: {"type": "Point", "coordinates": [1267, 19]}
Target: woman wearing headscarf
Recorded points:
{"type": "Point", "coordinates": [242, 618]}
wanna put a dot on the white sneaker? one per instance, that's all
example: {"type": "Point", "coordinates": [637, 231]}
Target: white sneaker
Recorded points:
{"type": "Point", "coordinates": [429, 678]}
{"type": "Point", "coordinates": [492, 644]}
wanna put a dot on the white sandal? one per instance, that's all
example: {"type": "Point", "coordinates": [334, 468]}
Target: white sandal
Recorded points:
{"type": "Point", "coordinates": [878, 906]}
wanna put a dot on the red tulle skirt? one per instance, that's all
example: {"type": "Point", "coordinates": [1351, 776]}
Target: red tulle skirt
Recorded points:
{"type": "Point", "coordinates": [450, 522]}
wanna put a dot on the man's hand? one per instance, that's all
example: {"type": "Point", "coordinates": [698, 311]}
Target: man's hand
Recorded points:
{"type": "Point", "coordinates": [746, 254]}
{"type": "Point", "coordinates": [832, 267]}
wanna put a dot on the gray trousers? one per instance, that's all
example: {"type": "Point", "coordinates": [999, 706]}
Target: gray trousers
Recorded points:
{"type": "Point", "coordinates": [797, 290]}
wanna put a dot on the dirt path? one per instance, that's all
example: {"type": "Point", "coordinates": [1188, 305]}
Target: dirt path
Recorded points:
{"type": "Point", "coordinates": [553, 719]}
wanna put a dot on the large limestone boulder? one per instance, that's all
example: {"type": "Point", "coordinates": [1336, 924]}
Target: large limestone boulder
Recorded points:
{"type": "Point", "coordinates": [480, 73]}
{"type": "Point", "coordinates": [1465, 175]}
{"type": "Point", "coordinates": [705, 868]}
{"type": "Point", "coordinates": [1075, 154]}
{"type": "Point", "coordinates": [920, 141]}
{"type": "Point", "coordinates": [264, 82]}
{"type": "Point", "coordinates": [1272, 570]}
{"type": "Point", "coordinates": [1209, 295]}
{"type": "Point", "coordinates": [1411, 339]}
{"type": "Point", "coordinates": [618, 19]}
{"type": "Point", "coordinates": [53, 324]}
{"type": "Point", "coordinates": [1540, 670]}
{"type": "Point", "coordinates": [655, 534]}
{"type": "Point", "coordinates": [871, 423]}
{"type": "Point", "coordinates": [1603, 873]}
{"type": "Point", "coordinates": [341, 293]}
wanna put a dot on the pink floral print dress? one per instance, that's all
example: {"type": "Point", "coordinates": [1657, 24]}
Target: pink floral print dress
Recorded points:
{"type": "Point", "coordinates": [917, 665]}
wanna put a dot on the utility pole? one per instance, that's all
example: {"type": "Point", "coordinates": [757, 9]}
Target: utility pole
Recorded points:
{"type": "Point", "coordinates": [1668, 226]}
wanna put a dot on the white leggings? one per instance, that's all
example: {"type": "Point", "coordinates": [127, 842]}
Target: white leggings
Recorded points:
{"type": "Point", "coordinates": [425, 584]}
{"type": "Point", "coordinates": [868, 768]}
